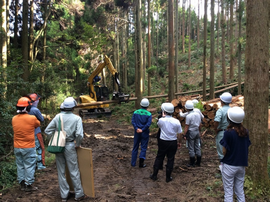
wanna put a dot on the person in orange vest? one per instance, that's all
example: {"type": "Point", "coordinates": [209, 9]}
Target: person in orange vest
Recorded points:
{"type": "Point", "coordinates": [24, 126]}
{"type": "Point", "coordinates": [40, 148]}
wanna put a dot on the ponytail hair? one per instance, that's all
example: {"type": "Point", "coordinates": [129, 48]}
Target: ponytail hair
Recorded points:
{"type": "Point", "coordinates": [238, 127]}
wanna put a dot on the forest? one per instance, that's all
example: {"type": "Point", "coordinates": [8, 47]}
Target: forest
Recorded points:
{"type": "Point", "coordinates": [158, 47]}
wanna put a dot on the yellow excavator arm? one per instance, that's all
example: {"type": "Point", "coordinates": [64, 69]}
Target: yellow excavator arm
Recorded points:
{"type": "Point", "coordinates": [107, 62]}
{"type": "Point", "coordinates": [92, 97]}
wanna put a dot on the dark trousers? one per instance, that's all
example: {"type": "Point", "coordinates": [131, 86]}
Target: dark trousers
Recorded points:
{"type": "Point", "coordinates": [139, 138]}
{"type": "Point", "coordinates": [166, 148]}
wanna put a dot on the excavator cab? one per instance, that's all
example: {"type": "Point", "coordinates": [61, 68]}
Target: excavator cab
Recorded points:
{"type": "Point", "coordinates": [100, 93]}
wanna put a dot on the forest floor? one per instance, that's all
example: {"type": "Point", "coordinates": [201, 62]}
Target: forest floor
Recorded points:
{"type": "Point", "coordinates": [115, 180]}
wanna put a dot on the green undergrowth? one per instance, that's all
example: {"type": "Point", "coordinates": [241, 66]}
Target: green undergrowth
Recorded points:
{"type": "Point", "coordinates": [8, 170]}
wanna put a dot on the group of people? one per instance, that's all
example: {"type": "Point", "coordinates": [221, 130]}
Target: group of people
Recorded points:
{"type": "Point", "coordinates": [29, 146]}
{"type": "Point", "coordinates": [232, 141]}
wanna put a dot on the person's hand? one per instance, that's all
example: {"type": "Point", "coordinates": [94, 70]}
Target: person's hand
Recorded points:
{"type": "Point", "coordinates": [139, 130]}
{"type": "Point", "coordinates": [76, 147]}
{"type": "Point", "coordinates": [178, 145]}
{"type": "Point", "coordinates": [184, 136]}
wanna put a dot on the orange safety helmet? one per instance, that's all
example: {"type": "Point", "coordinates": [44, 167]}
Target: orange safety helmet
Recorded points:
{"type": "Point", "coordinates": [34, 96]}
{"type": "Point", "coordinates": [23, 102]}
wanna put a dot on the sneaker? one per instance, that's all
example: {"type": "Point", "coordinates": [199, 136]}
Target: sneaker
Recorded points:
{"type": "Point", "coordinates": [41, 167]}
{"type": "Point", "coordinates": [22, 185]}
{"type": "Point", "coordinates": [81, 198]}
{"type": "Point", "coordinates": [29, 188]}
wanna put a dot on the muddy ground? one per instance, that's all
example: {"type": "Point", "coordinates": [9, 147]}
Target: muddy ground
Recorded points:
{"type": "Point", "coordinates": [116, 180]}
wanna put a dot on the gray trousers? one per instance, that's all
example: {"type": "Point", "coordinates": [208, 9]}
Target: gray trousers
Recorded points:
{"type": "Point", "coordinates": [69, 157]}
{"type": "Point", "coordinates": [233, 180]}
{"type": "Point", "coordinates": [194, 143]}
{"type": "Point", "coordinates": [218, 145]}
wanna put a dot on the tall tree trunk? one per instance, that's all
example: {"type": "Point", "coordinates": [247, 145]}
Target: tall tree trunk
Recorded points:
{"type": "Point", "coordinates": [139, 82]}
{"type": "Point", "coordinates": [223, 25]}
{"type": "Point", "coordinates": [126, 59]}
{"type": "Point", "coordinates": [212, 51]}
{"type": "Point", "coordinates": [204, 49]}
{"type": "Point", "coordinates": [124, 53]}
{"type": "Point", "coordinates": [157, 44]}
{"type": "Point", "coordinates": [218, 28]}
{"type": "Point", "coordinates": [189, 35]}
{"type": "Point", "coordinates": [171, 51]}
{"type": "Point", "coordinates": [8, 31]}
{"type": "Point", "coordinates": [183, 26]}
{"type": "Point", "coordinates": [257, 90]}
{"type": "Point", "coordinates": [231, 41]}
{"type": "Point", "coordinates": [176, 45]}
{"type": "Point", "coordinates": [149, 47]}
{"type": "Point", "coordinates": [240, 13]}
{"type": "Point", "coordinates": [227, 21]}
{"type": "Point", "coordinates": [31, 33]}
{"type": "Point", "coordinates": [3, 40]}
{"type": "Point", "coordinates": [25, 41]}
{"type": "Point", "coordinates": [198, 26]}
{"type": "Point", "coordinates": [16, 24]}
{"type": "Point", "coordinates": [144, 45]}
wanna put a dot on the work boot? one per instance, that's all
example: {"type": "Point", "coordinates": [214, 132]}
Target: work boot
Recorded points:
{"type": "Point", "coordinates": [168, 175]}
{"type": "Point", "coordinates": [154, 175]}
{"type": "Point", "coordinates": [141, 165]}
{"type": "Point", "coordinates": [198, 162]}
{"type": "Point", "coordinates": [29, 188]}
{"type": "Point", "coordinates": [192, 162]}
{"type": "Point", "coordinates": [22, 183]}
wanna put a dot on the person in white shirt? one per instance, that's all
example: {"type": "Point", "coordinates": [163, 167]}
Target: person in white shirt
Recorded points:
{"type": "Point", "coordinates": [169, 127]}
{"type": "Point", "coordinates": [192, 133]}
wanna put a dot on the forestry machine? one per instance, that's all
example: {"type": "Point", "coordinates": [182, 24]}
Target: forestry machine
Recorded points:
{"type": "Point", "coordinates": [99, 93]}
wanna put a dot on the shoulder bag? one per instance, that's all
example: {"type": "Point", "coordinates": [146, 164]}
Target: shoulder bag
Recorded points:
{"type": "Point", "coordinates": [58, 140]}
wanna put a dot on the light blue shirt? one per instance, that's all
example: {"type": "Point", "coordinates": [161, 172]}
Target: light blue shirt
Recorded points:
{"type": "Point", "coordinates": [221, 117]}
{"type": "Point", "coordinates": [72, 126]}
{"type": "Point", "coordinates": [36, 112]}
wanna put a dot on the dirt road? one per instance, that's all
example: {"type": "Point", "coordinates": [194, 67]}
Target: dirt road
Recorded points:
{"type": "Point", "coordinates": [116, 180]}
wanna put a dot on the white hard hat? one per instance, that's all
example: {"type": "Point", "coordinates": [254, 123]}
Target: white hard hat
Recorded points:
{"type": "Point", "coordinates": [167, 107]}
{"type": "Point", "coordinates": [144, 102]}
{"type": "Point", "coordinates": [189, 104]}
{"type": "Point", "coordinates": [226, 97]}
{"type": "Point", "coordinates": [62, 106]}
{"type": "Point", "coordinates": [69, 103]}
{"type": "Point", "coordinates": [236, 114]}
{"type": "Point", "coordinates": [195, 101]}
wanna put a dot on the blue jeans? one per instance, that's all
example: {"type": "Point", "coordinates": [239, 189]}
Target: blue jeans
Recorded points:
{"type": "Point", "coordinates": [26, 164]}
{"type": "Point", "coordinates": [142, 138]}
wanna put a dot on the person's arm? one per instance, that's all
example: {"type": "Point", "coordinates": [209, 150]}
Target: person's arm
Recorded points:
{"type": "Point", "coordinates": [216, 126]}
{"type": "Point", "coordinates": [134, 122]}
{"type": "Point", "coordinates": [148, 124]}
{"type": "Point", "coordinates": [179, 138]}
{"type": "Point", "coordinates": [183, 115]}
{"type": "Point", "coordinates": [39, 115]}
{"type": "Point", "coordinates": [37, 123]}
{"type": "Point", "coordinates": [224, 151]}
{"type": "Point", "coordinates": [50, 129]}
{"type": "Point", "coordinates": [79, 132]}
{"type": "Point", "coordinates": [186, 130]}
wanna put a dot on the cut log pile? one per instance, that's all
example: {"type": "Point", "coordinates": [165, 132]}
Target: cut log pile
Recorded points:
{"type": "Point", "coordinates": [209, 108]}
